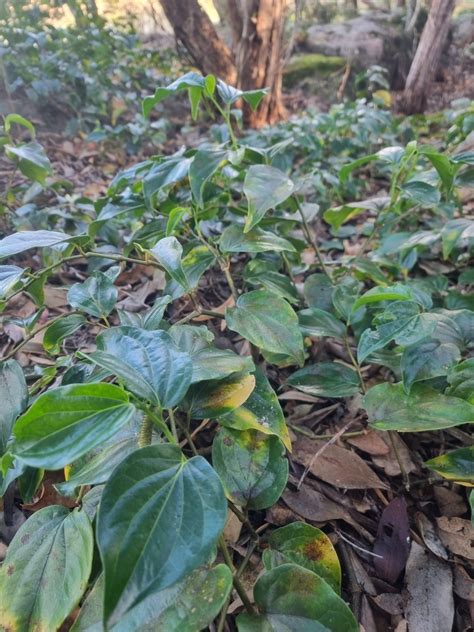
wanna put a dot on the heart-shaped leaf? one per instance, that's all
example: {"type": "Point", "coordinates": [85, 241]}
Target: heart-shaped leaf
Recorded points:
{"type": "Point", "coordinates": [66, 422]}
{"type": "Point", "coordinates": [390, 408]}
{"type": "Point", "coordinates": [316, 322]}
{"type": "Point", "coordinates": [268, 322]}
{"type": "Point", "coordinates": [187, 606]}
{"type": "Point", "coordinates": [13, 398]}
{"type": "Point", "coordinates": [427, 359]}
{"type": "Point", "coordinates": [31, 160]}
{"type": "Point", "coordinates": [159, 518]}
{"type": "Point", "coordinates": [169, 252]}
{"type": "Point", "coordinates": [148, 362]}
{"type": "Point", "coordinates": [326, 379]}
{"type": "Point", "coordinates": [265, 187]}
{"type": "Point", "coordinates": [293, 598]}
{"type": "Point", "coordinates": [233, 239]}
{"type": "Point", "coordinates": [205, 163]}
{"type": "Point", "coordinates": [300, 543]}
{"type": "Point", "coordinates": [51, 549]}
{"type": "Point", "coordinates": [218, 397]}
{"type": "Point", "coordinates": [61, 329]}
{"type": "Point", "coordinates": [251, 465]}
{"type": "Point", "coordinates": [261, 411]}
{"type": "Point", "coordinates": [96, 296]}
{"type": "Point", "coordinates": [461, 380]}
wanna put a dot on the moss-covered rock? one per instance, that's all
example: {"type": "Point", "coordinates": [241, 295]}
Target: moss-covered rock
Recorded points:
{"type": "Point", "coordinates": [301, 67]}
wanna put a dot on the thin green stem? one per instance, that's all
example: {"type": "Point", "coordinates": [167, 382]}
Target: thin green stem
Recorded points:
{"type": "Point", "coordinates": [312, 241]}
{"type": "Point", "coordinates": [173, 424]}
{"type": "Point", "coordinates": [157, 419]}
{"type": "Point", "coordinates": [355, 364]}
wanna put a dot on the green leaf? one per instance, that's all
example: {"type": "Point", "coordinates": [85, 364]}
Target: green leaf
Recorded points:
{"type": "Point", "coordinates": [461, 380]}
{"type": "Point", "coordinates": [211, 363]}
{"type": "Point", "coordinates": [9, 277]}
{"type": "Point", "coordinates": [251, 465]}
{"type": "Point", "coordinates": [261, 411]}
{"type": "Point", "coordinates": [338, 215]}
{"type": "Point", "coordinates": [453, 232]}
{"type": "Point", "coordinates": [169, 253]}
{"type": "Point", "coordinates": [233, 239]}
{"type": "Point", "coordinates": [188, 81]}
{"type": "Point", "coordinates": [230, 95]}
{"type": "Point", "coordinates": [316, 322]}
{"type": "Point", "coordinates": [205, 163]}
{"type": "Point", "coordinates": [166, 173]}
{"type": "Point", "coordinates": [265, 187]}
{"type": "Point", "coordinates": [30, 160]}
{"type": "Point", "coordinates": [456, 465]}
{"type": "Point", "coordinates": [218, 397]}
{"type": "Point", "coordinates": [292, 598]}
{"type": "Point", "coordinates": [262, 274]}
{"type": "Point", "coordinates": [326, 379]}
{"type": "Point", "coordinates": [397, 292]}
{"type": "Point", "coordinates": [148, 362]}
{"type": "Point", "coordinates": [318, 291]}
{"type": "Point", "coordinates": [268, 322]}
{"type": "Point", "coordinates": [66, 422]}
{"type": "Point", "coordinates": [46, 570]}
{"type": "Point", "coordinates": [390, 408]}
{"type": "Point", "coordinates": [96, 296]}
{"type": "Point", "coordinates": [175, 217]}
{"type": "Point", "coordinates": [98, 468]}
{"type": "Point", "coordinates": [27, 239]}
{"type": "Point", "coordinates": [345, 172]}
{"type": "Point", "coordinates": [402, 322]}
{"type": "Point", "coordinates": [189, 605]}
{"type": "Point", "coordinates": [12, 119]}
{"type": "Point", "coordinates": [61, 329]}
{"type": "Point", "coordinates": [442, 164]}
{"type": "Point", "coordinates": [159, 518]}
{"type": "Point", "coordinates": [422, 192]}
{"type": "Point", "coordinates": [13, 398]}
{"type": "Point", "coordinates": [307, 546]}
{"type": "Point", "coordinates": [427, 359]}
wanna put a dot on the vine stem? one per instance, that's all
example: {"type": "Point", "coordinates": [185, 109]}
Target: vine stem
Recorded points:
{"type": "Point", "coordinates": [312, 241]}
{"type": "Point", "coordinates": [235, 579]}
{"type": "Point", "coordinates": [355, 364]}
{"type": "Point", "coordinates": [157, 420]}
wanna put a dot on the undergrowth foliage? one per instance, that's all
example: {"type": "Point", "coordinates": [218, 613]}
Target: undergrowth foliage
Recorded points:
{"type": "Point", "coordinates": [121, 419]}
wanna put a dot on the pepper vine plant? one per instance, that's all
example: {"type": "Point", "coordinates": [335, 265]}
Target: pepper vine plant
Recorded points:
{"type": "Point", "coordinates": [143, 549]}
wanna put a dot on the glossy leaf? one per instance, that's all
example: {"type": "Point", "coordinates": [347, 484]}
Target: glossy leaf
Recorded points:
{"type": "Point", "coordinates": [27, 239]}
{"type": "Point", "coordinates": [421, 192]}
{"type": "Point", "coordinates": [13, 398]}
{"type": "Point", "coordinates": [251, 465]}
{"type": "Point", "coordinates": [305, 545]}
{"type": "Point", "coordinates": [159, 518]}
{"type": "Point", "coordinates": [66, 422]}
{"type": "Point", "coordinates": [31, 160]}
{"type": "Point", "coordinates": [457, 465]}
{"type": "Point", "coordinates": [318, 291]}
{"type": "Point", "coordinates": [397, 292]}
{"type": "Point", "coordinates": [51, 549]}
{"type": "Point", "coordinates": [218, 397]}
{"type": "Point", "coordinates": [293, 598]}
{"type": "Point", "coordinates": [188, 81]}
{"type": "Point", "coordinates": [96, 296]}
{"type": "Point", "coordinates": [390, 408]}
{"type": "Point", "coordinates": [317, 322]}
{"type": "Point", "coordinates": [268, 322]}
{"type": "Point", "coordinates": [205, 163]}
{"type": "Point", "coordinates": [461, 380]}
{"type": "Point", "coordinates": [337, 216]}
{"type": "Point", "coordinates": [61, 329]}
{"type": "Point", "coordinates": [233, 239]}
{"type": "Point", "coordinates": [427, 359]}
{"type": "Point", "coordinates": [326, 379]}
{"type": "Point", "coordinates": [265, 188]}
{"type": "Point", "coordinates": [230, 95]}
{"type": "Point", "coordinates": [261, 411]}
{"type": "Point", "coordinates": [9, 277]}
{"type": "Point", "coordinates": [187, 606]}
{"type": "Point", "coordinates": [164, 175]}
{"type": "Point", "coordinates": [148, 362]}
{"type": "Point", "coordinates": [169, 252]}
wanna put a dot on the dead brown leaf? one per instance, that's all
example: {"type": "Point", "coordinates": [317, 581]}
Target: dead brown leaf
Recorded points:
{"type": "Point", "coordinates": [457, 535]}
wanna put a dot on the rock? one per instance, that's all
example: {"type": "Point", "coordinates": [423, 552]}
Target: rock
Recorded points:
{"type": "Point", "coordinates": [463, 30]}
{"type": "Point", "coordinates": [368, 39]}
{"type": "Point", "coordinates": [301, 66]}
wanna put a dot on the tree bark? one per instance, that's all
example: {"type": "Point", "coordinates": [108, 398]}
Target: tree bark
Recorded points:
{"type": "Point", "coordinates": [427, 56]}
{"type": "Point", "coordinates": [194, 29]}
{"type": "Point", "coordinates": [256, 60]}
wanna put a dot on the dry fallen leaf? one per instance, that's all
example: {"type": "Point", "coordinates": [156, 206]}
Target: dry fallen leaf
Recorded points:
{"type": "Point", "coordinates": [457, 535]}
{"type": "Point", "coordinates": [337, 466]}
{"type": "Point", "coordinates": [393, 541]}
{"type": "Point", "coordinates": [370, 442]}
{"type": "Point", "coordinates": [429, 535]}
{"type": "Point", "coordinates": [429, 592]}
{"type": "Point", "coordinates": [389, 462]}
{"type": "Point", "coordinates": [449, 502]}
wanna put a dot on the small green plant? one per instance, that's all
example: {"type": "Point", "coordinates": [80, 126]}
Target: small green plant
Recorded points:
{"type": "Point", "coordinates": [122, 420]}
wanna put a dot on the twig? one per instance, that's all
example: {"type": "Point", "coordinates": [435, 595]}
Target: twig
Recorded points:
{"type": "Point", "coordinates": [236, 581]}
{"type": "Point", "coordinates": [345, 79]}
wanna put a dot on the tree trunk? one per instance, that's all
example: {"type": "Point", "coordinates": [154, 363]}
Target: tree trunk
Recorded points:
{"type": "Point", "coordinates": [194, 29]}
{"type": "Point", "coordinates": [257, 57]}
{"type": "Point", "coordinates": [427, 56]}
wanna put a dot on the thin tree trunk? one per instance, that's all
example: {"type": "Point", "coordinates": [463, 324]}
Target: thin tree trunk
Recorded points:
{"type": "Point", "coordinates": [259, 56]}
{"type": "Point", "coordinates": [194, 29]}
{"type": "Point", "coordinates": [427, 56]}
